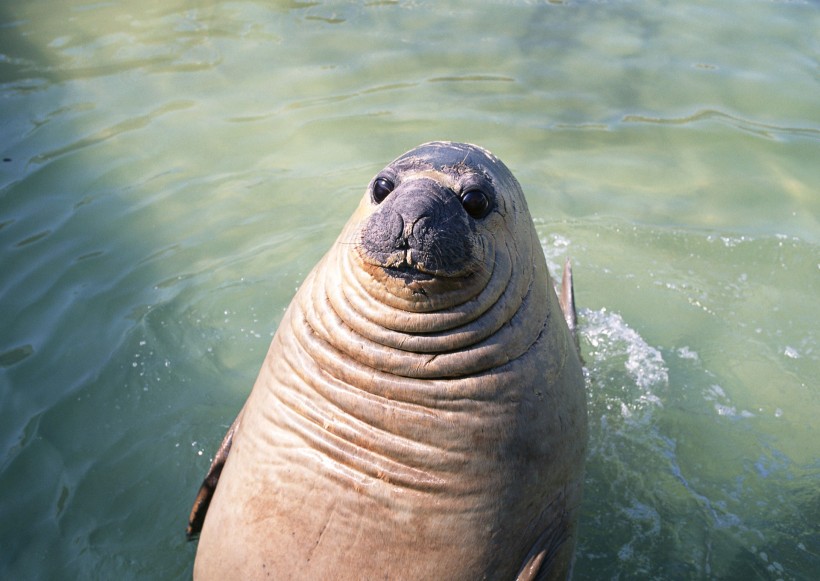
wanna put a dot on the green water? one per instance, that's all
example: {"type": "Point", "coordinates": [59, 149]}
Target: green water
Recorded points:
{"type": "Point", "coordinates": [171, 170]}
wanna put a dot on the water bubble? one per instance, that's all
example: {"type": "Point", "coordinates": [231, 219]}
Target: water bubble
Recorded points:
{"type": "Point", "coordinates": [686, 353]}
{"type": "Point", "coordinates": [792, 353]}
{"type": "Point", "coordinates": [625, 552]}
{"type": "Point", "coordinates": [715, 391]}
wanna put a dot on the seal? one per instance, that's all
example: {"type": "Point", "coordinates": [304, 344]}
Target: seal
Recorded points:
{"type": "Point", "coordinates": [421, 411]}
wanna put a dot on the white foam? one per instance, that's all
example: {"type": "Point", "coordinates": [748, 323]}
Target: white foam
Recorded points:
{"type": "Point", "coordinates": [556, 251]}
{"type": "Point", "coordinates": [611, 336]}
{"type": "Point", "coordinates": [792, 353]}
{"type": "Point", "coordinates": [686, 353]}
{"type": "Point", "coordinates": [722, 404]}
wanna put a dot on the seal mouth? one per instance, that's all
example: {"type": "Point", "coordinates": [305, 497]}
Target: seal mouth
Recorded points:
{"type": "Point", "coordinates": [408, 273]}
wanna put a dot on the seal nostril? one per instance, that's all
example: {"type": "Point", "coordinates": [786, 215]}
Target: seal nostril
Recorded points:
{"type": "Point", "coordinates": [476, 203]}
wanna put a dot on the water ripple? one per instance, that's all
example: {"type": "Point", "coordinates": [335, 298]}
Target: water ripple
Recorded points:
{"type": "Point", "coordinates": [130, 124]}
{"type": "Point", "coordinates": [16, 355]}
{"type": "Point", "coordinates": [471, 79]}
{"type": "Point", "coordinates": [766, 130]}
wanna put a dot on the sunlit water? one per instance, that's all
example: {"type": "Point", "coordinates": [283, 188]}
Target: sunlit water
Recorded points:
{"type": "Point", "coordinates": [171, 171]}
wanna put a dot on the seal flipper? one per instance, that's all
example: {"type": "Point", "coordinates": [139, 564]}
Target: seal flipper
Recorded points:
{"type": "Point", "coordinates": [567, 298]}
{"type": "Point", "coordinates": [543, 560]}
{"type": "Point", "coordinates": [206, 490]}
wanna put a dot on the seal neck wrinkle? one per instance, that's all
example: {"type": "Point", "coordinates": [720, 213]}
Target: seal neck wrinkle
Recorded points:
{"type": "Point", "coordinates": [376, 430]}
{"type": "Point", "coordinates": [494, 333]}
{"type": "Point", "coordinates": [379, 419]}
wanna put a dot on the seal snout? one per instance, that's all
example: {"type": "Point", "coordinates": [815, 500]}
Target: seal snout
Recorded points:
{"type": "Point", "coordinates": [419, 231]}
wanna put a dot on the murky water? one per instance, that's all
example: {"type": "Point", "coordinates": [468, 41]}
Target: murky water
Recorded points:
{"type": "Point", "coordinates": [171, 170]}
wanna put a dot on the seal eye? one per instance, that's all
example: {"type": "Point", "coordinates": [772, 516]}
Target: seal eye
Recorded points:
{"type": "Point", "coordinates": [381, 189]}
{"type": "Point", "coordinates": [476, 203]}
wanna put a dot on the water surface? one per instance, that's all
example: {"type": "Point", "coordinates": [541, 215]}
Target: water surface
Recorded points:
{"type": "Point", "coordinates": [171, 170]}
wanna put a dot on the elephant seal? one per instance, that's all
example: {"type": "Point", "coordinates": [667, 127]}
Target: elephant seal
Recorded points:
{"type": "Point", "coordinates": [421, 411]}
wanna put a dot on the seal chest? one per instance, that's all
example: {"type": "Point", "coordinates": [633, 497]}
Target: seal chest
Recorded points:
{"type": "Point", "coordinates": [421, 411]}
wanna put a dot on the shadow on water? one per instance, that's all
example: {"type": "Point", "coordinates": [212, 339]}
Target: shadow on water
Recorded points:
{"type": "Point", "coordinates": [95, 451]}
{"type": "Point", "coordinates": [144, 266]}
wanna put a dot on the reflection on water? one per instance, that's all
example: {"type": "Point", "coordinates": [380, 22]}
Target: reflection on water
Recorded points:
{"type": "Point", "coordinates": [169, 172]}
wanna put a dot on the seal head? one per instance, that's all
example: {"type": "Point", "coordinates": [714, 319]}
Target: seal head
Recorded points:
{"type": "Point", "coordinates": [435, 209]}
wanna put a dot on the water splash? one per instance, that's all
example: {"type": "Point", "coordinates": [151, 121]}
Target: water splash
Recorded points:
{"type": "Point", "coordinates": [611, 338]}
